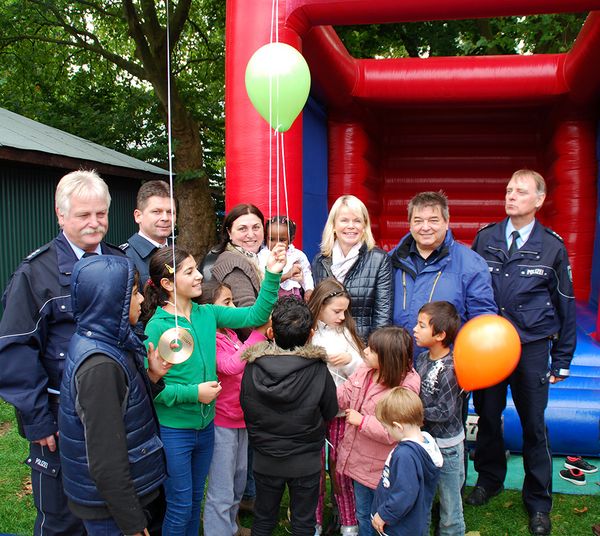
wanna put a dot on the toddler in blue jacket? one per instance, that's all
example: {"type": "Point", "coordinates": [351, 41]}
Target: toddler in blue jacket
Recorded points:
{"type": "Point", "coordinates": [405, 492]}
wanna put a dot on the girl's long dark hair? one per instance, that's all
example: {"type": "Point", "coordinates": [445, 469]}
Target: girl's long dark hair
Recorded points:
{"type": "Point", "coordinates": [324, 292]}
{"type": "Point", "coordinates": [161, 265]}
{"type": "Point", "coordinates": [394, 348]}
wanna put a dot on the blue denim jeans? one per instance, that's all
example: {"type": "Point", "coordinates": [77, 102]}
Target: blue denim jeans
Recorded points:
{"type": "Point", "coordinates": [102, 527]}
{"type": "Point", "coordinates": [452, 476]}
{"type": "Point", "coordinates": [226, 481]}
{"type": "Point", "coordinates": [364, 501]}
{"type": "Point", "coordinates": [189, 453]}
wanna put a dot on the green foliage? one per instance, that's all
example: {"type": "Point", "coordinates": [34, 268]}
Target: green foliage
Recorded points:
{"type": "Point", "coordinates": [507, 35]}
{"type": "Point", "coordinates": [73, 65]}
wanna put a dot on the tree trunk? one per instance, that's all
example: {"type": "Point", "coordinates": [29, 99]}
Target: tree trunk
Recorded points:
{"type": "Point", "coordinates": [196, 215]}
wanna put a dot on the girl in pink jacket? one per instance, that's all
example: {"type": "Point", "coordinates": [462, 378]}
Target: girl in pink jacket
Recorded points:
{"type": "Point", "coordinates": [227, 474]}
{"type": "Point", "coordinates": [366, 444]}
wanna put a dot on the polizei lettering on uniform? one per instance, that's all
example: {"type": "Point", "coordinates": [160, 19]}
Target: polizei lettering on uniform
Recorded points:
{"type": "Point", "coordinates": [535, 271]}
{"type": "Point", "coordinates": [41, 463]}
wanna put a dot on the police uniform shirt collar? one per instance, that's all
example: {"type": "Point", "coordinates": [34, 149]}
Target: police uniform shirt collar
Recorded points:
{"type": "Point", "coordinates": [153, 242]}
{"type": "Point", "coordinates": [78, 251]}
{"type": "Point", "coordinates": [524, 233]}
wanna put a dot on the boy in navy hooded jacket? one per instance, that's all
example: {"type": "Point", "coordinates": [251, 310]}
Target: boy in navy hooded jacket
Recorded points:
{"type": "Point", "coordinates": [111, 455]}
{"type": "Point", "coordinates": [405, 493]}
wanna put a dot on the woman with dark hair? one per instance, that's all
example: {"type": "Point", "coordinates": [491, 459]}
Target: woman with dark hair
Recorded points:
{"type": "Point", "coordinates": [237, 264]}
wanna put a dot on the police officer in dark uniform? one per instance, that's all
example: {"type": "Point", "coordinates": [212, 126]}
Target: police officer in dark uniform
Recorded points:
{"type": "Point", "coordinates": [532, 284]}
{"type": "Point", "coordinates": [155, 216]}
{"type": "Point", "coordinates": [35, 331]}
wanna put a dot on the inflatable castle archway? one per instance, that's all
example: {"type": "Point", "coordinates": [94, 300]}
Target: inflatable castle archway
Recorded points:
{"type": "Point", "coordinates": [384, 130]}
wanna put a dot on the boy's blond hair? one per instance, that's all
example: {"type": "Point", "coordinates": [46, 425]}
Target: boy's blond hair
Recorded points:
{"type": "Point", "coordinates": [401, 405]}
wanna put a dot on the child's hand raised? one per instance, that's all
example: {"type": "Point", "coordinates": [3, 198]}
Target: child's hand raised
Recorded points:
{"type": "Point", "coordinates": [353, 417]}
{"type": "Point", "coordinates": [208, 391]}
{"type": "Point", "coordinates": [277, 258]}
{"type": "Point", "coordinates": [157, 366]}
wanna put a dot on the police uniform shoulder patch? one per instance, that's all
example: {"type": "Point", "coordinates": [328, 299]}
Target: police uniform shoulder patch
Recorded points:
{"type": "Point", "coordinates": [553, 233]}
{"type": "Point", "coordinates": [124, 246]}
{"type": "Point", "coordinates": [37, 252]}
{"type": "Point", "coordinates": [112, 249]}
{"type": "Point", "coordinates": [486, 226]}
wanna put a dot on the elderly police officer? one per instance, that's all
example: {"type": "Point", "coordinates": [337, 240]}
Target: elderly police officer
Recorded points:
{"type": "Point", "coordinates": [533, 289]}
{"type": "Point", "coordinates": [34, 335]}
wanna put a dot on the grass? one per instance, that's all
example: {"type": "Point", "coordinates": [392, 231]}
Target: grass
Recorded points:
{"type": "Point", "coordinates": [573, 515]}
{"type": "Point", "coordinates": [17, 512]}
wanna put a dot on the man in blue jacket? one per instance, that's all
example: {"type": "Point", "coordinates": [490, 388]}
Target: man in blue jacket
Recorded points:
{"type": "Point", "coordinates": [532, 283]}
{"type": "Point", "coordinates": [35, 331]}
{"type": "Point", "coordinates": [429, 265]}
{"type": "Point", "coordinates": [155, 216]}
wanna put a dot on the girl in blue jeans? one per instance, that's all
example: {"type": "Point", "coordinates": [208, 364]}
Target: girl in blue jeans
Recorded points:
{"type": "Point", "coordinates": [186, 407]}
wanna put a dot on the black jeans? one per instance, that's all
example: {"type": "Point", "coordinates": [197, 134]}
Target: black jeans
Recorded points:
{"type": "Point", "coordinates": [304, 494]}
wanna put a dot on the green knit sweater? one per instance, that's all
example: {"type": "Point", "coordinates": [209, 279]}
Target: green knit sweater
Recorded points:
{"type": "Point", "coordinates": [177, 405]}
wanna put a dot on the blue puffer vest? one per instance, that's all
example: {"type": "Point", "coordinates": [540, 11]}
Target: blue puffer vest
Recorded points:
{"type": "Point", "coordinates": [103, 328]}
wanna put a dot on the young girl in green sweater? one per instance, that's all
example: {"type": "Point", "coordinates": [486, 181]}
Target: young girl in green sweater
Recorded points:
{"type": "Point", "coordinates": [185, 407]}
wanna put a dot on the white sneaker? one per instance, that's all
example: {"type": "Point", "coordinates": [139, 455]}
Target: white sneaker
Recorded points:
{"type": "Point", "coordinates": [349, 530]}
{"type": "Point", "coordinates": [318, 530]}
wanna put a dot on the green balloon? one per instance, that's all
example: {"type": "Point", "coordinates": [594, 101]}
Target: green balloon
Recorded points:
{"type": "Point", "coordinates": [278, 83]}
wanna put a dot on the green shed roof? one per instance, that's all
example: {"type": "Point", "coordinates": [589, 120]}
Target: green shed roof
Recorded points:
{"type": "Point", "coordinates": [21, 133]}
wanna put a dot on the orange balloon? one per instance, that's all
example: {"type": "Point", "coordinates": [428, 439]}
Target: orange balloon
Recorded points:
{"type": "Point", "coordinates": [486, 351]}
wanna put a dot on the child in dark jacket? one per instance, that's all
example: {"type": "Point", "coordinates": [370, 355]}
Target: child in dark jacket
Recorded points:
{"type": "Point", "coordinates": [403, 498]}
{"type": "Point", "coordinates": [287, 396]}
{"type": "Point", "coordinates": [112, 457]}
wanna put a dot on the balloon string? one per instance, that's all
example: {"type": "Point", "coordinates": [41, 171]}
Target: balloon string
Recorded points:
{"type": "Point", "coordinates": [277, 136]}
{"type": "Point", "coordinates": [271, 34]}
{"type": "Point", "coordinates": [271, 135]}
{"type": "Point", "coordinates": [277, 21]}
{"type": "Point", "coordinates": [285, 191]}
{"type": "Point", "coordinates": [283, 163]}
{"type": "Point", "coordinates": [170, 145]}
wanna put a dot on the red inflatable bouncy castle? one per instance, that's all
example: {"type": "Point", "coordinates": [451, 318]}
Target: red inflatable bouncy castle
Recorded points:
{"type": "Point", "coordinates": [384, 130]}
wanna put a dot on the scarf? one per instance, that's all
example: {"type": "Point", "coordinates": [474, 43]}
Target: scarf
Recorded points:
{"type": "Point", "coordinates": [252, 258]}
{"type": "Point", "coordinates": [340, 264]}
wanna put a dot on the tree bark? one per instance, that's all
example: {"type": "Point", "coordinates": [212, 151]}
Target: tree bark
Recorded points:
{"type": "Point", "coordinates": [196, 215]}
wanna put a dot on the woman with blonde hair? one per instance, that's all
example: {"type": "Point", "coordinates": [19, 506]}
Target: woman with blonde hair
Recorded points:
{"type": "Point", "coordinates": [348, 253]}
